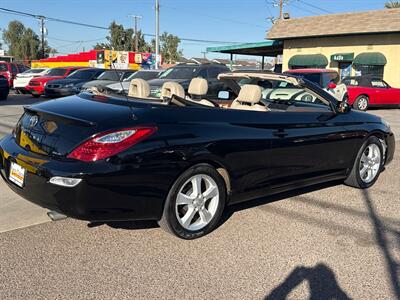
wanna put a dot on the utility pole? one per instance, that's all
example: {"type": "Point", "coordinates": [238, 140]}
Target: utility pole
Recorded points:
{"type": "Point", "coordinates": [41, 18]}
{"type": "Point", "coordinates": [136, 18]}
{"type": "Point", "coordinates": [157, 33]}
{"type": "Point", "coordinates": [280, 9]}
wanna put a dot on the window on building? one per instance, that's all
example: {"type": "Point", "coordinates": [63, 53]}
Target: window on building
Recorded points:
{"type": "Point", "coordinates": [376, 71]}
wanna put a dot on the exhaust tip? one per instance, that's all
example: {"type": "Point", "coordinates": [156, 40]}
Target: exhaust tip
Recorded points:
{"type": "Point", "coordinates": [56, 216]}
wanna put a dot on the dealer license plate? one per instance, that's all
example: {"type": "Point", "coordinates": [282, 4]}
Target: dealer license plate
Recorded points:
{"type": "Point", "coordinates": [17, 174]}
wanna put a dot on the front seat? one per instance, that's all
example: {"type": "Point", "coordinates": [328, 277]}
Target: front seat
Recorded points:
{"type": "Point", "coordinates": [198, 89]}
{"type": "Point", "coordinates": [249, 98]}
{"type": "Point", "coordinates": [172, 88]}
{"type": "Point", "coordinates": [139, 88]}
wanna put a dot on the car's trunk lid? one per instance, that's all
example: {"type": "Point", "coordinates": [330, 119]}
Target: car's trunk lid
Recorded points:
{"type": "Point", "coordinates": [55, 128]}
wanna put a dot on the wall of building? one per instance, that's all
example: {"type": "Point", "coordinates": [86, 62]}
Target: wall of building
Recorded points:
{"type": "Point", "coordinates": [387, 44]}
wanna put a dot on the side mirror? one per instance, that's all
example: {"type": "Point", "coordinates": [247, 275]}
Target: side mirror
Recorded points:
{"type": "Point", "coordinates": [331, 86]}
{"type": "Point", "coordinates": [224, 95]}
{"type": "Point", "coordinates": [343, 107]}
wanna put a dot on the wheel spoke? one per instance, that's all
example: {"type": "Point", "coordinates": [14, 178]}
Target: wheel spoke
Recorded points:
{"type": "Point", "coordinates": [211, 192]}
{"type": "Point", "coordinates": [205, 215]}
{"type": "Point", "coordinates": [188, 217]}
{"type": "Point", "coordinates": [363, 171]}
{"type": "Point", "coordinates": [363, 158]}
{"type": "Point", "coordinates": [196, 185]}
{"type": "Point", "coordinates": [183, 199]}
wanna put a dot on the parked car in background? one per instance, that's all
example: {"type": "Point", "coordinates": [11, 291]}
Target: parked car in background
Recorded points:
{"type": "Point", "coordinates": [327, 79]}
{"type": "Point", "coordinates": [36, 85]}
{"type": "Point", "coordinates": [4, 88]}
{"type": "Point", "coordinates": [142, 74]}
{"type": "Point", "coordinates": [9, 70]}
{"type": "Point", "coordinates": [108, 77]}
{"type": "Point", "coordinates": [367, 91]}
{"type": "Point", "coordinates": [72, 84]}
{"type": "Point", "coordinates": [184, 73]}
{"type": "Point", "coordinates": [22, 79]}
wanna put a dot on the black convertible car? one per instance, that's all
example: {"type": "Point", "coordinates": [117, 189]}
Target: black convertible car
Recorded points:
{"type": "Point", "coordinates": [183, 158]}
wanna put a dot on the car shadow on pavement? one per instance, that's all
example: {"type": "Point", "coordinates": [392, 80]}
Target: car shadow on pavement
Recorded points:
{"type": "Point", "coordinates": [321, 279]}
{"type": "Point", "coordinates": [230, 210]}
{"type": "Point", "coordinates": [127, 225]}
{"type": "Point", "coordinates": [22, 100]}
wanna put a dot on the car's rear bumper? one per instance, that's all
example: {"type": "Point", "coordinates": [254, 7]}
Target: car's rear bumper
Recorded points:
{"type": "Point", "coordinates": [107, 192]}
{"type": "Point", "coordinates": [58, 92]}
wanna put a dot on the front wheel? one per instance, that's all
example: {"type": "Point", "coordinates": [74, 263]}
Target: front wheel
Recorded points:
{"type": "Point", "coordinates": [361, 103]}
{"type": "Point", "coordinates": [195, 203]}
{"type": "Point", "coordinates": [368, 164]}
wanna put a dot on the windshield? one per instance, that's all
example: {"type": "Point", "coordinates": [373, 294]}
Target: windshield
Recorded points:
{"type": "Point", "coordinates": [57, 72]}
{"type": "Point", "coordinates": [82, 74]}
{"type": "Point", "coordinates": [146, 75]}
{"type": "Point", "coordinates": [110, 75]}
{"type": "Point", "coordinates": [180, 73]}
{"type": "Point", "coordinates": [33, 71]}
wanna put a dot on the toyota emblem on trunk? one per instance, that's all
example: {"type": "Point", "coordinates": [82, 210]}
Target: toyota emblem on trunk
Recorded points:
{"type": "Point", "coordinates": [33, 121]}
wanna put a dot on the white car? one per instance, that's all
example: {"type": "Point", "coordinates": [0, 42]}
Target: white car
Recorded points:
{"type": "Point", "coordinates": [22, 79]}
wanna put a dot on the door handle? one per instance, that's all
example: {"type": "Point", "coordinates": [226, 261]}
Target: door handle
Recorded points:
{"type": "Point", "coordinates": [279, 133]}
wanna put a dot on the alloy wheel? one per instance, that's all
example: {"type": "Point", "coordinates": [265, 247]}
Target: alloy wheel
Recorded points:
{"type": "Point", "coordinates": [197, 202]}
{"type": "Point", "coordinates": [362, 103]}
{"type": "Point", "coordinates": [370, 163]}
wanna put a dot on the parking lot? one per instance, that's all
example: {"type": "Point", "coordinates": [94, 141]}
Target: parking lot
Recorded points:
{"type": "Point", "coordinates": [326, 242]}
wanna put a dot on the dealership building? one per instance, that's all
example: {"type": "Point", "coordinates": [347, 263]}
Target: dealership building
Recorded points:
{"type": "Point", "coordinates": [352, 43]}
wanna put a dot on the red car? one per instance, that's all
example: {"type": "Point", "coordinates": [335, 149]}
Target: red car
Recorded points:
{"type": "Point", "coordinates": [10, 69]}
{"type": "Point", "coordinates": [36, 85]}
{"type": "Point", "coordinates": [366, 91]}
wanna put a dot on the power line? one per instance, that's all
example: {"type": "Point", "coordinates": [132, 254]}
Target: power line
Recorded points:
{"type": "Point", "coordinates": [20, 13]}
{"type": "Point", "coordinates": [316, 7]}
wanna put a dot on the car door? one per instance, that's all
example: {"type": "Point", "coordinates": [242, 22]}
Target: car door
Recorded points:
{"type": "Point", "coordinates": [309, 138]}
{"type": "Point", "coordinates": [380, 93]}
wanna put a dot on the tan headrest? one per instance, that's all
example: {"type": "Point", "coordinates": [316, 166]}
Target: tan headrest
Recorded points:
{"type": "Point", "coordinates": [172, 88]}
{"type": "Point", "coordinates": [139, 88]}
{"type": "Point", "coordinates": [250, 93]}
{"type": "Point", "coordinates": [198, 86]}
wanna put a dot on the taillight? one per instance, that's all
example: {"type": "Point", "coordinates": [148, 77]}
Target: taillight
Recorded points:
{"type": "Point", "coordinates": [110, 143]}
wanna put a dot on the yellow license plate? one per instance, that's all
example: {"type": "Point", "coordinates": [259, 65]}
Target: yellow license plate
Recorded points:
{"type": "Point", "coordinates": [17, 174]}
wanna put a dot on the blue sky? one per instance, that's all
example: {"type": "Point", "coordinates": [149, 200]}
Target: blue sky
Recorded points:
{"type": "Point", "coordinates": [215, 20]}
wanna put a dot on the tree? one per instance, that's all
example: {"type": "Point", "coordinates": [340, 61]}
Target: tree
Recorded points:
{"type": "Point", "coordinates": [392, 4]}
{"type": "Point", "coordinates": [169, 44]}
{"type": "Point", "coordinates": [121, 39]}
{"type": "Point", "coordinates": [23, 43]}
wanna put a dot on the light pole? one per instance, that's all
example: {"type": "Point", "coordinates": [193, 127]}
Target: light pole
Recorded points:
{"type": "Point", "coordinates": [157, 33]}
{"type": "Point", "coordinates": [137, 18]}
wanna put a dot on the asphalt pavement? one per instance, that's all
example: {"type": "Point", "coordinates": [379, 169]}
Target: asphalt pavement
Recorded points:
{"type": "Point", "coordinates": [326, 242]}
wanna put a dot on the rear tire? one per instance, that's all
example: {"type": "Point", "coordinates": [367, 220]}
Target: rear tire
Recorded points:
{"type": "Point", "coordinates": [367, 166]}
{"type": "Point", "coordinates": [361, 103]}
{"type": "Point", "coordinates": [195, 203]}
{"type": "Point", "coordinates": [3, 96]}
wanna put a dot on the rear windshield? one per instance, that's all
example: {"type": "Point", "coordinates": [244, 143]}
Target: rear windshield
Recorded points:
{"type": "Point", "coordinates": [110, 75]}
{"type": "Point", "coordinates": [180, 73]}
{"type": "Point", "coordinates": [57, 72]}
{"type": "Point", "coordinates": [3, 67]}
{"type": "Point", "coordinates": [82, 74]}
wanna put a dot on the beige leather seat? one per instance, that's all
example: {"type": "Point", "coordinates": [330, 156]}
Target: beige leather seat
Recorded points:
{"type": "Point", "coordinates": [139, 88]}
{"type": "Point", "coordinates": [198, 88]}
{"type": "Point", "coordinates": [172, 88]}
{"type": "Point", "coordinates": [249, 99]}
